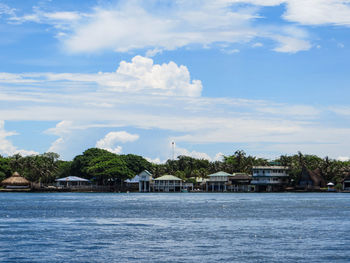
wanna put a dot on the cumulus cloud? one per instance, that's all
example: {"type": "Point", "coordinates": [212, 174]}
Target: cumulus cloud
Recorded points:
{"type": "Point", "coordinates": [109, 141]}
{"type": "Point", "coordinates": [92, 101]}
{"type": "Point", "coordinates": [155, 160]}
{"type": "Point", "coordinates": [139, 75]}
{"type": "Point", "coordinates": [6, 146]}
{"type": "Point", "coordinates": [194, 154]}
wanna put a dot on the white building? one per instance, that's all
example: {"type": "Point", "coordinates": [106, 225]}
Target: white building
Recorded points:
{"type": "Point", "coordinates": [270, 178]}
{"type": "Point", "coordinates": [145, 181]}
{"type": "Point", "coordinates": [217, 182]}
{"type": "Point", "coordinates": [167, 183]}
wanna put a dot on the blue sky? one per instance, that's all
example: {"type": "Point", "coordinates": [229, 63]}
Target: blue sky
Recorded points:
{"type": "Point", "coordinates": [266, 76]}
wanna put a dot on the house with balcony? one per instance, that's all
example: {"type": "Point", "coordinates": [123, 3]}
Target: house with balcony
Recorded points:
{"type": "Point", "coordinates": [217, 182]}
{"type": "Point", "coordinates": [239, 182]}
{"type": "Point", "coordinates": [167, 183]}
{"type": "Point", "coordinates": [270, 178]}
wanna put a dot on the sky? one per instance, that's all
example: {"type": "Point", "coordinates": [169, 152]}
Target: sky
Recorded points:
{"type": "Point", "coordinates": [270, 77]}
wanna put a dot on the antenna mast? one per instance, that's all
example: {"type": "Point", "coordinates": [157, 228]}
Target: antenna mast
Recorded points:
{"type": "Point", "coordinates": [173, 149]}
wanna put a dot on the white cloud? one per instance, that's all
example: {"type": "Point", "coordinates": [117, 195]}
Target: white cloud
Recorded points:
{"type": "Point", "coordinates": [60, 20]}
{"type": "Point", "coordinates": [83, 103]}
{"type": "Point", "coordinates": [57, 146]}
{"type": "Point", "coordinates": [141, 74]}
{"type": "Point", "coordinates": [6, 146]}
{"type": "Point", "coordinates": [120, 136]}
{"type": "Point", "coordinates": [341, 110]}
{"type": "Point", "coordinates": [291, 45]}
{"type": "Point", "coordinates": [65, 16]}
{"type": "Point", "coordinates": [219, 157]}
{"type": "Point", "coordinates": [300, 111]}
{"type": "Point", "coordinates": [109, 141]}
{"type": "Point", "coordinates": [318, 12]}
{"type": "Point", "coordinates": [136, 24]}
{"type": "Point", "coordinates": [230, 51]}
{"type": "Point", "coordinates": [131, 25]}
{"type": "Point", "coordinates": [343, 158]}
{"type": "Point", "coordinates": [6, 10]}
{"type": "Point", "coordinates": [258, 44]}
{"type": "Point", "coordinates": [194, 154]}
{"type": "Point", "coordinates": [155, 160]}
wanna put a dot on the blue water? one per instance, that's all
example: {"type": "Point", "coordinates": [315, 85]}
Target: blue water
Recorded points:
{"type": "Point", "coordinates": [95, 227]}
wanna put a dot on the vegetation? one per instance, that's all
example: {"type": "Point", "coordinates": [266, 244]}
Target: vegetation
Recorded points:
{"type": "Point", "coordinates": [106, 168]}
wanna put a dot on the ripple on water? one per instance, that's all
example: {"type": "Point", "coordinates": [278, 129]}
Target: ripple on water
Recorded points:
{"type": "Point", "coordinates": [78, 227]}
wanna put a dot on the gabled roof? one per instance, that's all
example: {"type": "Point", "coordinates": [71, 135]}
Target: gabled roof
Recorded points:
{"type": "Point", "coordinates": [221, 173]}
{"type": "Point", "coordinates": [168, 177]}
{"type": "Point", "coordinates": [145, 172]}
{"type": "Point", "coordinates": [72, 179]}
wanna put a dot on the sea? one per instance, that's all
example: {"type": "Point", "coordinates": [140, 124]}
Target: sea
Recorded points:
{"type": "Point", "coordinates": [174, 227]}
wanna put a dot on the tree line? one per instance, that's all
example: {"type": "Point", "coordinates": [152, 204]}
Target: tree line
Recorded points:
{"type": "Point", "coordinates": [105, 168]}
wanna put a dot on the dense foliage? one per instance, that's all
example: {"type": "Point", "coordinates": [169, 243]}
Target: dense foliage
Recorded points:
{"type": "Point", "coordinates": [105, 168]}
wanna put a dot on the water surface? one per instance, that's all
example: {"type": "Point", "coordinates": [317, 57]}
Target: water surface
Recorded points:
{"type": "Point", "coordinates": [198, 227]}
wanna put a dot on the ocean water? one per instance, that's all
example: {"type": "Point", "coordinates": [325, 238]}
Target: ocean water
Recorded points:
{"type": "Point", "coordinates": [183, 227]}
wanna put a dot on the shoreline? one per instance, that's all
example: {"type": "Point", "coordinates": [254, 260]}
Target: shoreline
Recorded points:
{"type": "Point", "coordinates": [129, 192]}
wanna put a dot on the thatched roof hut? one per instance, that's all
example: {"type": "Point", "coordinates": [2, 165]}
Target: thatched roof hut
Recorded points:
{"type": "Point", "coordinates": [15, 181]}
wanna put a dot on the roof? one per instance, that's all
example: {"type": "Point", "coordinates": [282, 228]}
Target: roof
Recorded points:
{"type": "Point", "coordinates": [241, 176]}
{"type": "Point", "coordinates": [168, 177]}
{"type": "Point", "coordinates": [15, 180]}
{"type": "Point", "coordinates": [221, 173]}
{"type": "Point", "coordinates": [271, 167]}
{"type": "Point", "coordinates": [136, 179]}
{"type": "Point", "coordinates": [72, 179]}
{"type": "Point", "coordinates": [145, 172]}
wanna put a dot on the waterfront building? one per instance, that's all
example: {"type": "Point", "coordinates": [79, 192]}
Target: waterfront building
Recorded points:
{"type": "Point", "coordinates": [145, 181]}
{"type": "Point", "coordinates": [346, 183]}
{"type": "Point", "coordinates": [167, 183]}
{"type": "Point", "coordinates": [16, 182]}
{"type": "Point", "coordinates": [73, 182]}
{"type": "Point", "coordinates": [310, 180]}
{"type": "Point", "coordinates": [270, 178]}
{"type": "Point", "coordinates": [217, 182]}
{"type": "Point", "coordinates": [239, 182]}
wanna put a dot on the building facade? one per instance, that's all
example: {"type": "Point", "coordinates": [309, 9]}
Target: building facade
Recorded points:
{"type": "Point", "coordinates": [217, 182]}
{"type": "Point", "coordinates": [167, 183]}
{"type": "Point", "coordinates": [270, 178]}
{"type": "Point", "coordinates": [239, 182]}
{"type": "Point", "coordinates": [145, 181]}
